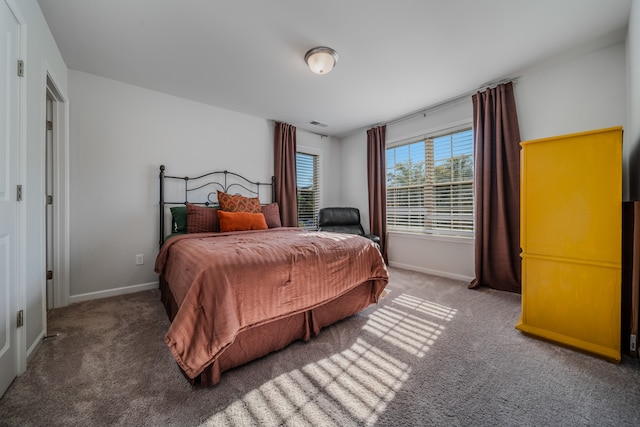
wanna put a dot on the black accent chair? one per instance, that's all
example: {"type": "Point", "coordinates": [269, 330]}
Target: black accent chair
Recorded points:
{"type": "Point", "coordinates": [343, 220]}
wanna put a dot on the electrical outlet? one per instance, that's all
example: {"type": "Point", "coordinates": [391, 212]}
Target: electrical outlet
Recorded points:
{"type": "Point", "coordinates": [632, 343]}
{"type": "Point", "coordinates": [139, 259]}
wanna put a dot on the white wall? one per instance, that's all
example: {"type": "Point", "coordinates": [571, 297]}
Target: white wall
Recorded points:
{"type": "Point", "coordinates": [119, 136]}
{"type": "Point", "coordinates": [586, 93]}
{"type": "Point", "coordinates": [632, 132]}
{"type": "Point", "coordinates": [41, 56]}
{"type": "Point", "coordinates": [581, 94]}
{"type": "Point", "coordinates": [572, 95]}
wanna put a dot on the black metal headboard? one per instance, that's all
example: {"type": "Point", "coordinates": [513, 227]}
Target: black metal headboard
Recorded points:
{"type": "Point", "coordinates": [207, 185]}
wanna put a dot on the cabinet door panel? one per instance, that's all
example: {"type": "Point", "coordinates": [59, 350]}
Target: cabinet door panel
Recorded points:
{"type": "Point", "coordinates": [576, 301]}
{"type": "Point", "coordinates": [573, 199]}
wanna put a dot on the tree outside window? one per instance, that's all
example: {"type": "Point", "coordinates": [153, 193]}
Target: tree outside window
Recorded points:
{"type": "Point", "coordinates": [430, 185]}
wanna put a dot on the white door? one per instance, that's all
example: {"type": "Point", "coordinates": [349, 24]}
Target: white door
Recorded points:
{"type": "Point", "coordinates": [9, 123]}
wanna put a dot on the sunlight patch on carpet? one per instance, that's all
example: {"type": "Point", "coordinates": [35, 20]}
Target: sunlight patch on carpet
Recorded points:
{"type": "Point", "coordinates": [403, 323]}
{"type": "Point", "coordinates": [427, 307]}
{"type": "Point", "coordinates": [356, 384]}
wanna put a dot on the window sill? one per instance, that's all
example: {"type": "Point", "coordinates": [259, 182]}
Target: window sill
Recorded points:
{"type": "Point", "coordinates": [432, 237]}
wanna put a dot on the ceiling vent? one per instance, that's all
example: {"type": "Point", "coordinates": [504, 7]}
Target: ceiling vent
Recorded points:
{"type": "Point", "coordinates": [322, 125]}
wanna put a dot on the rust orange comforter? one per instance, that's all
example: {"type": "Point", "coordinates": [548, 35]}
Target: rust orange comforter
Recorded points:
{"type": "Point", "coordinates": [225, 283]}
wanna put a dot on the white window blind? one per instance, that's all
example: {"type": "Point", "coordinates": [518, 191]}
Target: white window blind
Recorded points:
{"type": "Point", "coordinates": [308, 190]}
{"type": "Point", "coordinates": [430, 185]}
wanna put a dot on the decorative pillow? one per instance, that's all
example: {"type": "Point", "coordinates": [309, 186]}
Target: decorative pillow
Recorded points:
{"type": "Point", "coordinates": [271, 214]}
{"type": "Point", "coordinates": [237, 203]}
{"type": "Point", "coordinates": [178, 219]}
{"type": "Point", "coordinates": [201, 219]}
{"type": "Point", "coordinates": [240, 221]}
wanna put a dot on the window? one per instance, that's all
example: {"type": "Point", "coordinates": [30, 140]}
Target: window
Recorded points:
{"type": "Point", "coordinates": [430, 185]}
{"type": "Point", "coordinates": [308, 190]}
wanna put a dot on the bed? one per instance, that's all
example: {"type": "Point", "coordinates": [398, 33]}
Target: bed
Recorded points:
{"type": "Point", "coordinates": [235, 293]}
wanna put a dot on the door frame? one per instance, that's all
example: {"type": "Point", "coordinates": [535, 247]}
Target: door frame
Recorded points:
{"type": "Point", "coordinates": [60, 115]}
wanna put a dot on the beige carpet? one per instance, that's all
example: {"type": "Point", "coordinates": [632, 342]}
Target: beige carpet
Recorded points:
{"type": "Point", "coordinates": [431, 353]}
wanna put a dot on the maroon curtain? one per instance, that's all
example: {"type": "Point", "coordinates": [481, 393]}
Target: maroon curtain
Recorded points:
{"type": "Point", "coordinates": [285, 173]}
{"type": "Point", "coordinates": [376, 174]}
{"type": "Point", "coordinates": [497, 189]}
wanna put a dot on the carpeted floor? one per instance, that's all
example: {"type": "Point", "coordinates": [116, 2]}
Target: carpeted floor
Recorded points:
{"type": "Point", "coordinates": [431, 353]}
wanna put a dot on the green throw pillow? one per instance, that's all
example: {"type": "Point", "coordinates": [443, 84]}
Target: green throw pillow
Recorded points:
{"type": "Point", "coordinates": [179, 219]}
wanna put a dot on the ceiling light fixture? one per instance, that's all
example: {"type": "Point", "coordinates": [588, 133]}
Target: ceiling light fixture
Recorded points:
{"type": "Point", "coordinates": [321, 59]}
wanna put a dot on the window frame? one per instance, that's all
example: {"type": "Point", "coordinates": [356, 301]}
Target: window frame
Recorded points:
{"type": "Point", "coordinates": [445, 235]}
{"type": "Point", "coordinates": [318, 154]}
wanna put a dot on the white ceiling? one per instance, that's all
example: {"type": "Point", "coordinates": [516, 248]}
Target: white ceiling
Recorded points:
{"type": "Point", "coordinates": [395, 57]}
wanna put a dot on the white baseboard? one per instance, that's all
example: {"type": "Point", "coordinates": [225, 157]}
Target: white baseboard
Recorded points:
{"type": "Point", "coordinates": [33, 348]}
{"type": "Point", "coordinates": [113, 292]}
{"type": "Point", "coordinates": [431, 271]}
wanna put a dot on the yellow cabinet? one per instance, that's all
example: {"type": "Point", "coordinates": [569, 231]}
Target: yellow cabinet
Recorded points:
{"type": "Point", "coordinates": [571, 225]}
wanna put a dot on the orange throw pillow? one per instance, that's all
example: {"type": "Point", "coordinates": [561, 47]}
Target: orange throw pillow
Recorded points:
{"type": "Point", "coordinates": [237, 203]}
{"type": "Point", "coordinates": [240, 221]}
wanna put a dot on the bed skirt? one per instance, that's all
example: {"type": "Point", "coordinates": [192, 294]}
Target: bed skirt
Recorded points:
{"type": "Point", "coordinates": [250, 344]}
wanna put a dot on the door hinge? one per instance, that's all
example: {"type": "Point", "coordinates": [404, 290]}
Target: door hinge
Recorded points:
{"type": "Point", "coordinates": [20, 68]}
{"type": "Point", "coordinates": [19, 193]}
{"type": "Point", "coordinates": [20, 318]}
{"type": "Point", "coordinates": [49, 274]}
{"type": "Point", "coordinates": [49, 125]}
{"type": "Point", "coordinates": [49, 200]}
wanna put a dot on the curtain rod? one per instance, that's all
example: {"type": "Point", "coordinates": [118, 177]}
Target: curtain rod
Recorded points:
{"type": "Point", "coordinates": [425, 111]}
